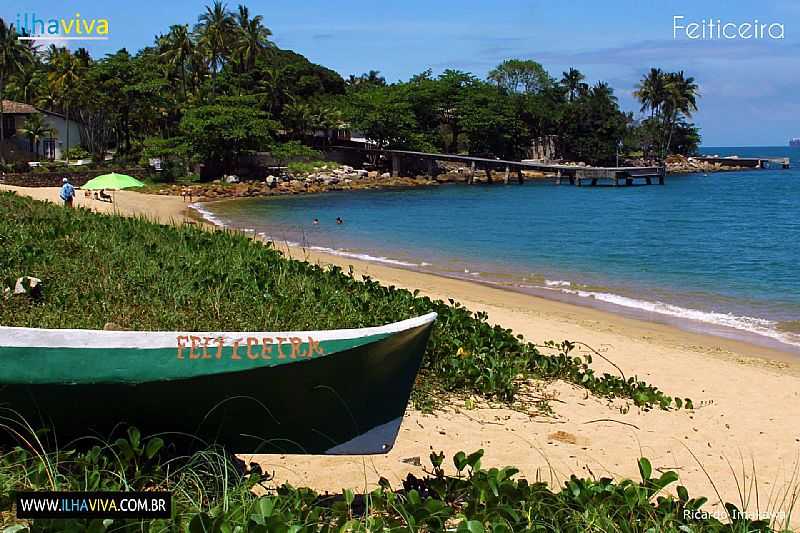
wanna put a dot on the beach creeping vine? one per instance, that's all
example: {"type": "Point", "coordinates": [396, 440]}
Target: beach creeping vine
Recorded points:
{"type": "Point", "coordinates": [141, 275]}
{"type": "Point", "coordinates": [212, 495]}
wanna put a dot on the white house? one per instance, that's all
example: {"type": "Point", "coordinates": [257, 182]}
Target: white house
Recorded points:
{"type": "Point", "coordinates": [14, 116]}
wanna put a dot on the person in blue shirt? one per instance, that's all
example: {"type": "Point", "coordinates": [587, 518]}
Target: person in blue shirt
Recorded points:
{"type": "Point", "coordinates": [67, 193]}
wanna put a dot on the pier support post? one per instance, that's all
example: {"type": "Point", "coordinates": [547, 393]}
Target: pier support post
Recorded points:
{"type": "Point", "coordinates": [507, 175]}
{"type": "Point", "coordinates": [430, 168]}
{"type": "Point", "coordinates": [520, 177]}
{"type": "Point", "coordinates": [471, 174]}
{"type": "Point", "coordinates": [488, 176]}
{"type": "Point", "coordinates": [395, 165]}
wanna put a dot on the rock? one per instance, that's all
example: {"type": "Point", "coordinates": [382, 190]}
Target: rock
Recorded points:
{"type": "Point", "coordinates": [386, 175]}
{"type": "Point", "coordinates": [112, 326]}
{"type": "Point", "coordinates": [346, 168]}
{"type": "Point", "coordinates": [373, 174]}
{"type": "Point", "coordinates": [361, 173]}
{"type": "Point", "coordinates": [28, 285]}
{"type": "Point", "coordinates": [348, 181]}
{"type": "Point", "coordinates": [231, 179]}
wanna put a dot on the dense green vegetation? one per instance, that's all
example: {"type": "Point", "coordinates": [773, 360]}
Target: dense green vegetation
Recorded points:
{"type": "Point", "coordinates": [184, 99]}
{"type": "Point", "coordinates": [212, 495]}
{"type": "Point", "coordinates": [98, 269]}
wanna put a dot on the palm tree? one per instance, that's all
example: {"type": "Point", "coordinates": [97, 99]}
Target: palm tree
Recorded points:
{"type": "Point", "coordinates": [298, 117]}
{"type": "Point", "coordinates": [651, 91]}
{"type": "Point", "coordinates": [680, 98]}
{"type": "Point", "coordinates": [253, 38]}
{"type": "Point", "coordinates": [36, 130]}
{"type": "Point", "coordinates": [326, 118]}
{"type": "Point", "coordinates": [14, 55]}
{"type": "Point", "coordinates": [572, 82]}
{"type": "Point", "coordinates": [64, 79]}
{"type": "Point", "coordinates": [276, 87]}
{"type": "Point", "coordinates": [215, 28]}
{"type": "Point", "coordinates": [668, 96]}
{"type": "Point", "coordinates": [178, 49]}
{"type": "Point", "coordinates": [603, 90]}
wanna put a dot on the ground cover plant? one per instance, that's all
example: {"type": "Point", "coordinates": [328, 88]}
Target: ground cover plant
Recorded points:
{"type": "Point", "coordinates": [98, 269]}
{"type": "Point", "coordinates": [212, 495]}
{"type": "Point", "coordinates": [138, 275]}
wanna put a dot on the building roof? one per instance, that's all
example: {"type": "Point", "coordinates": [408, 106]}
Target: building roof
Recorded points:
{"type": "Point", "coordinates": [18, 108]}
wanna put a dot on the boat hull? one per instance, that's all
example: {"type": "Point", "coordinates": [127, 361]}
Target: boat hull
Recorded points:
{"type": "Point", "coordinates": [348, 402]}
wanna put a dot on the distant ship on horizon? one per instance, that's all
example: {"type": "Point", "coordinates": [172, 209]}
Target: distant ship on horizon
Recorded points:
{"type": "Point", "coordinates": [794, 143]}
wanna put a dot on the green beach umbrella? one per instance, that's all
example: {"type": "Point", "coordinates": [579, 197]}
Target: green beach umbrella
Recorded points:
{"type": "Point", "coordinates": [112, 181]}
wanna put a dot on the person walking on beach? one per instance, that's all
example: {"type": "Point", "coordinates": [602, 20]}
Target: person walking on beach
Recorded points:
{"type": "Point", "coordinates": [339, 220]}
{"type": "Point", "coordinates": [67, 193]}
{"type": "Point", "coordinates": [316, 222]}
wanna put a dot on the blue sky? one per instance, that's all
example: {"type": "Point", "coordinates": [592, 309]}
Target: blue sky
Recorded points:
{"type": "Point", "coordinates": [749, 88]}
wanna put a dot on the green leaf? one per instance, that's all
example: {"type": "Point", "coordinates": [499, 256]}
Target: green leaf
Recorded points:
{"type": "Point", "coordinates": [645, 469]}
{"type": "Point", "coordinates": [153, 446]}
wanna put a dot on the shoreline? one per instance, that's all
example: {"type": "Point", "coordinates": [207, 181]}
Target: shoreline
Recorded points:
{"type": "Point", "coordinates": [719, 325]}
{"type": "Point", "coordinates": [746, 397]}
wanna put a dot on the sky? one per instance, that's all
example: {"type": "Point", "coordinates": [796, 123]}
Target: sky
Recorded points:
{"type": "Point", "coordinates": [749, 87]}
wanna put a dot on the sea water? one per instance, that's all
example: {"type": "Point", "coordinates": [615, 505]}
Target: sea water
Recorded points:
{"type": "Point", "coordinates": [717, 253]}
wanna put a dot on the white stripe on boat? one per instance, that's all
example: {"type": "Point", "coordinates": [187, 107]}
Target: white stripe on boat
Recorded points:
{"type": "Point", "coordinates": [90, 338]}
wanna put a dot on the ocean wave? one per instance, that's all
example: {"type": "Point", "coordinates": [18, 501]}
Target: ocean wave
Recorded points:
{"type": "Point", "coordinates": [557, 283]}
{"type": "Point", "coordinates": [363, 256]}
{"type": "Point", "coordinates": [759, 326]}
{"type": "Point", "coordinates": [208, 215]}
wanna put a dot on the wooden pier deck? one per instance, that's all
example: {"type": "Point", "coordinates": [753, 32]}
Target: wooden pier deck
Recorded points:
{"type": "Point", "coordinates": [747, 162]}
{"type": "Point", "coordinates": [572, 174]}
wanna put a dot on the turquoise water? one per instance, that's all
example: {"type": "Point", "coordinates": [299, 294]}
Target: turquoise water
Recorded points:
{"type": "Point", "coordinates": [715, 252]}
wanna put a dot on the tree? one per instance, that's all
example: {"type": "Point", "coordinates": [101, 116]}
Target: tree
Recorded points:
{"type": "Point", "coordinates": [215, 28]}
{"type": "Point", "coordinates": [593, 126]}
{"type": "Point", "coordinates": [36, 130]}
{"type": "Point", "coordinates": [64, 78]}
{"type": "Point", "coordinates": [492, 124]}
{"type": "Point", "coordinates": [521, 76]}
{"type": "Point", "coordinates": [372, 78]}
{"type": "Point", "coordinates": [253, 38]}
{"type": "Point", "coordinates": [219, 133]}
{"type": "Point", "coordinates": [14, 55]}
{"type": "Point", "coordinates": [680, 101]}
{"type": "Point", "coordinates": [297, 117]}
{"type": "Point", "coordinates": [178, 49]}
{"type": "Point", "coordinates": [651, 91]}
{"type": "Point", "coordinates": [572, 82]}
{"type": "Point", "coordinates": [384, 116]}
{"type": "Point", "coordinates": [670, 97]}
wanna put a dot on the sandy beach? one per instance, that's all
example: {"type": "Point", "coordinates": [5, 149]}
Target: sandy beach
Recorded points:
{"type": "Point", "coordinates": [746, 397]}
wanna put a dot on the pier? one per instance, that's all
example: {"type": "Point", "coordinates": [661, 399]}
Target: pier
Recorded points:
{"type": "Point", "coordinates": [513, 170]}
{"type": "Point", "coordinates": [746, 162]}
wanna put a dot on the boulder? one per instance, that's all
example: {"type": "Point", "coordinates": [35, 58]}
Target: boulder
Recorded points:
{"type": "Point", "coordinates": [231, 179]}
{"type": "Point", "coordinates": [386, 175]}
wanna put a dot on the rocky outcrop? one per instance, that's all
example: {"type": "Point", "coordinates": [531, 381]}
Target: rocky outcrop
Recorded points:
{"type": "Point", "coordinates": [320, 180]}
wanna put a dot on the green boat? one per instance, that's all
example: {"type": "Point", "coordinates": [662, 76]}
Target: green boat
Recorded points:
{"type": "Point", "coordinates": [299, 392]}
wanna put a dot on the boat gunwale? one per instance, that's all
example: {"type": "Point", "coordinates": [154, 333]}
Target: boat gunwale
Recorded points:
{"type": "Point", "coordinates": [21, 337]}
